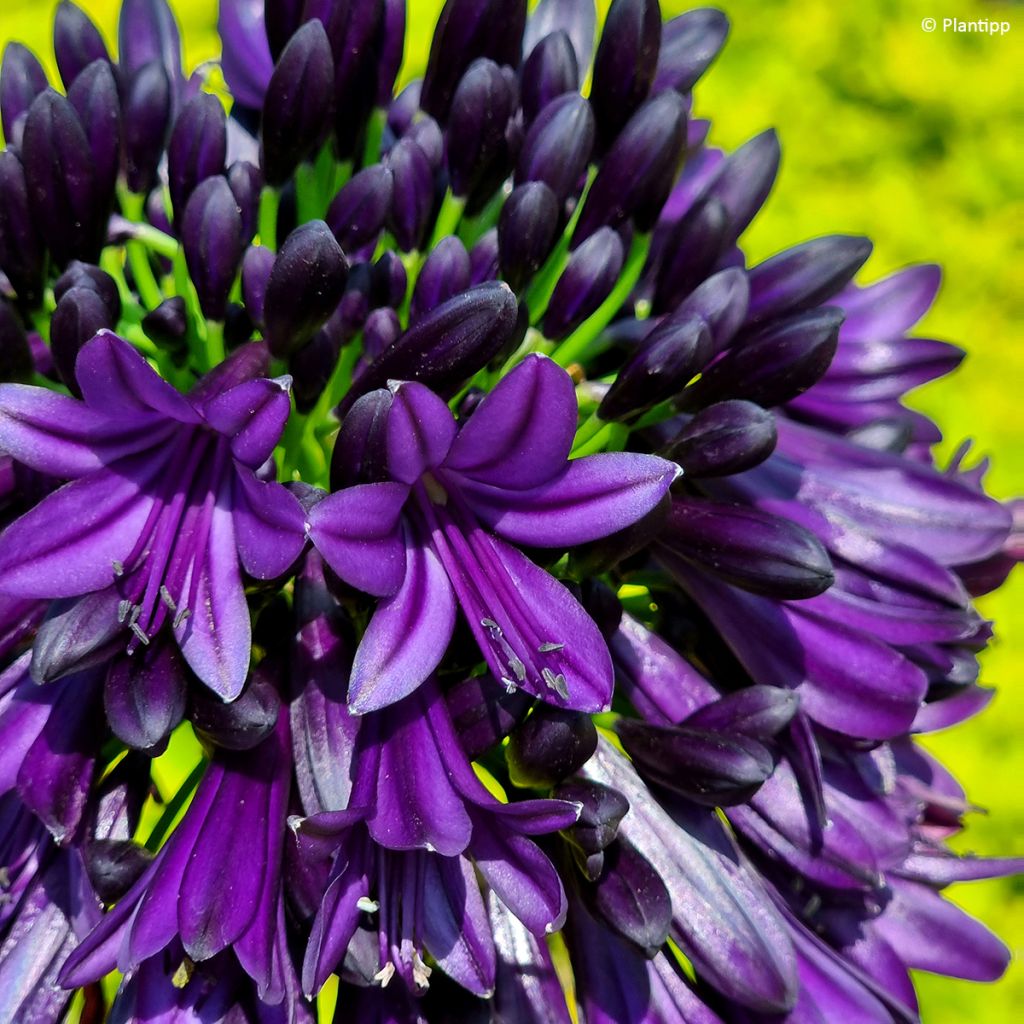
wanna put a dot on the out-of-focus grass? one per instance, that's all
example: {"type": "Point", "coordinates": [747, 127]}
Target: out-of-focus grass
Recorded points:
{"type": "Point", "coordinates": [914, 139]}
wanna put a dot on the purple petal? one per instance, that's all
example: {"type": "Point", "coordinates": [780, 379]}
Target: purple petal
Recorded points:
{"type": "Point", "coordinates": [591, 498]}
{"type": "Point", "coordinates": [419, 433]}
{"type": "Point", "coordinates": [252, 415]}
{"type": "Point", "coordinates": [407, 636]}
{"type": "Point", "coordinates": [246, 59]}
{"type": "Point", "coordinates": [268, 522]}
{"type": "Point", "coordinates": [357, 531]}
{"type": "Point", "coordinates": [520, 435]}
{"type": "Point", "coordinates": [888, 307]}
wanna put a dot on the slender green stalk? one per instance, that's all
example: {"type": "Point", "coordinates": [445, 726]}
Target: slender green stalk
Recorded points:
{"type": "Point", "coordinates": [448, 217]}
{"type": "Point", "coordinates": [270, 200]}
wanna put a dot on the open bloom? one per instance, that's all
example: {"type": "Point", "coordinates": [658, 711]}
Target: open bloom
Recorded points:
{"type": "Point", "coordinates": [434, 537]}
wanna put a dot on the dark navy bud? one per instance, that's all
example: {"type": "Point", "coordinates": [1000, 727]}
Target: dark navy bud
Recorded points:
{"type": "Point", "coordinates": [381, 330]}
{"type": "Point", "coordinates": [413, 197]}
{"type": "Point", "coordinates": [707, 767]}
{"type": "Point", "coordinates": [558, 145]}
{"type": "Point", "coordinates": [480, 111]}
{"type": "Point", "coordinates": [212, 239]}
{"type": "Point", "coordinates": [246, 182]}
{"type": "Point", "coordinates": [402, 110]}
{"type": "Point", "coordinates": [79, 315]}
{"type": "Point", "coordinates": [76, 42]}
{"type": "Point", "coordinates": [445, 273]}
{"type": "Point", "coordinates": [85, 275]}
{"type": "Point", "coordinates": [197, 148]}
{"type": "Point", "coordinates": [804, 276]}
{"type": "Point", "coordinates": [282, 19]}
{"type": "Point", "coordinates": [311, 366]}
{"type": "Point", "coordinates": [549, 71]}
{"type": "Point", "coordinates": [639, 170]}
{"type": "Point", "coordinates": [466, 30]}
{"type": "Point", "coordinates": [483, 713]}
{"type": "Point", "coordinates": [483, 258]}
{"type": "Point", "coordinates": [95, 99]}
{"type": "Point", "coordinates": [391, 50]}
{"type": "Point", "coordinates": [390, 279]}
{"type": "Point", "coordinates": [76, 634]}
{"type": "Point", "coordinates": [356, 72]}
{"type": "Point", "coordinates": [527, 229]}
{"type": "Point", "coordinates": [22, 255]}
{"type": "Point", "coordinates": [359, 210]}
{"type": "Point", "coordinates": [663, 364]}
{"type": "Point", "coordinates": [22, 79]}
{"type": "Point", "coordinates": [114, 866]}
{"type": "Point", "coordinates": [426, 133]}
{"type": "Point", "coordinates": [725, 438]}
{"type": "Point", "coordinates": [625, 64]}
{"type": "Point", "coordinates": [691, 251]}
{"type": "Point", "coordinates": [603, 809]}
{"type": "Point", "coordinates": [16, 361]}
{"type": "Point", "coordinates": [167, 324]}
{"type": "Point", "coordinates": [760, 712]}
{"type": "Point", "coordinates": [238, 326]}
{"type": "Point", "coordinates": [744, 180]}
{"type": "Point", "coordinates": [448, 345]}
{"type": "Point", "coordinates": [298, 103]}
{"type": "Point", "coordinates": [360, 452]}
{"type": "Point", "coordinates": [751, 549]}
{"type": "Point", "coordinates": [256, 267]}
{"type": "Point", "coordinates": [689, 44]}
{"type": "Point", "coordinates": [147, 32]}
{"type": "Point", "coordinates": [774, 365]}
{"type": "Point", "coordinates": [632, 898]}
{"type": "Point", "coordinates": [722, 301]}
{"type": "Point", "coordinates": [243, 723]}
{"type": "Point", "coordinates": [357, 300]}
{"type": "Point", "coordinates": [304, 288]}
{"type": "Point", "coordinates": [589, 276]}
{"type": "Point", "coordinates": [144, 696]}
{"type": "Point", "coordinates": [549, 746]}
{"type": "Point", "coordinates": [147, 113]}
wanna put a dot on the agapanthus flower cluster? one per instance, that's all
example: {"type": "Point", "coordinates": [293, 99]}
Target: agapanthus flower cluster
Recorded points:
{"type": "Point", "coordinates": [441, 580]}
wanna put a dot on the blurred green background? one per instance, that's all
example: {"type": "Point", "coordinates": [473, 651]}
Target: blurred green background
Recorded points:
{"type": "Point", "coordinates": [915, 139]}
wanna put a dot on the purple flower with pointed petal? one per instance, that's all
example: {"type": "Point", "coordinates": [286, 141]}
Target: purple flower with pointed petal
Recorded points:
{"type": "Point", "coordinates": [436, 536]}
{"type": "Point", "coordinates": [163, 508]}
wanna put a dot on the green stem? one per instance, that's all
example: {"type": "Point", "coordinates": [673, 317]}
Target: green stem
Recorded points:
{"type": "Point", "coordinates": [215, 353]}
{"type": "Point", "coordinates": [155, 240]}
{"type": "Point", "coordinates": [307, 197]}
{"type": "Point", "coordinates": [374, 135]}
{"type": "Point", "coordinates": [573, 348]}
{"type": "Point", "coordinates": [173, 808]}
{"type": "Point", "coordinates": [587, 430]}
{"type": "Point", "coordinates": [448, 218]}
{"type": "Point", "coordinates": [270, 200]}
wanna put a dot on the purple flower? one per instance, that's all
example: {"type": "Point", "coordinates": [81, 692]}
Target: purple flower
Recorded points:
{"type": "Point", "coordinates": [164, 510]}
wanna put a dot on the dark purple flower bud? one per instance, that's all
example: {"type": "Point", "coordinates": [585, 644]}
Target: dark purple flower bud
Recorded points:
{"type": "Point", "coordinates": [95, 99]}
{"type": "Point", "coordinates": [722, 301]}
{"type": "Point", "coordinates": [76, 42]}
{"type": "Point", "coordinates": [147, 32]}
{"type": "Point", "coordinates": [631, 896]}
{"type": "Point", "coordinates": [304, 288]}
{"type": "Point", "coordinates": [310, 367]}
{"type": "Point", "coordinates": [246, 182]}
{"type": "Point", "coordinates": [445, 273]}
{"type": "Point", "coordinates": [390, 279]}
{"type": "Point", "coordinates": [79, 315]}
{"type": "Point", "coordinates": [22, 254]}
{"type": "Point", "coordinates": [549, 71]}
{"type": "Point", "coordinates": [391, 50]}
{"type": "Point", "coordinates": [114, 866]}
{"type": "Point", "coordinates": [167, 324]}
{"type": "Point", "coordinates": [624, 67]}
{"type": "Point", "coordinates": [777, 363]}
{"type": "Point", "coordinates": [449, 344]}
{"type": "Point", "coordinates": [85, 275]}
{"type": "Point", "coordinates": [426, 133]}
{"type": "Point", "coordinates": [242, 724]}
{"type": "Point", "coordinates": [466, 30]}
{"type": "Point", "coordinates": [359, 210]}
{"type": "Point", "coordinates": [576, 18]}
{"type": "Point", "coordinates": [663, 364]}
{"type": "Point", "coordinates": [256, 267]}
{"type": "Point", "coordinates": [602, 810]}
{"type": "Point", "coordinates": [725, 438]}
{"type": "Point", "coordinates": [360, 452]}
{"type": "Point", "coordinates": [298, 103]}
{"type": "Point", "coordinates": [381, 330]}
{"type": "Point", "coordinates": [550, 745]}
{"type": "Point", "coordinates": [483, 258]}
{"type": "Point", "coordinates": [15, 355]}
{"type": "Point", "coordinates": [403, 108]}
{"type": "Point", "coordinates": [588, 278]}
{"type": "Point", "coordinates": [639, 170]}
{"type": "Point", "coordinates": [690, 252]}
{"type": "Point", "coordinates": [689, 44]}
{"type": "Point", "coordinates": [212, 239]}
{"type": "Point", "coordinates": [558, 145]}
{"type": "Point", "coordinates": [744, 179]}
{"type": "Point", "coordinates": [147, 113]}
{"type": "Point", "coordinates": [22, 79]}
{"type": "Point", "coordinates": [805, 275]}
{"type": "Point", "coordinates": [77, 633]}
{"type": "Point", "coordinates": [144, 696]}
{"type": "Point", "coordinates": [480, 110]}
{"type": "Point", "coordinates": [751, 549]}
{"type": "Point", "coordinates": [483, 713]}
{"type": "Point", "coordinates": [527, 229]}
{"type": "Point", "coordinates": [413, 196]}
{"type": "Point", "coordinates": [706, 767]}
{"type": "Point", "coordinates": [356, 54]}
{"type": "Point", "coordinates": [197, 148]}
{"type": "Point", "coordinates": [760, 712]}
{"type": "Point", "coordinates": [62, 182]}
